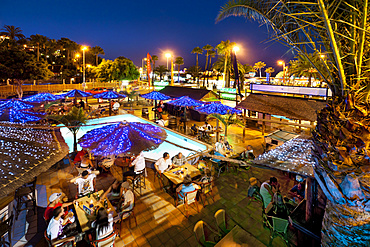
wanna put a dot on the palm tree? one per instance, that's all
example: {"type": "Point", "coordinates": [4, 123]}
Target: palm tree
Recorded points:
{"type": "Point", "coordinates": [161, 69]}
{"type": "Point", "coordinates": [211, 54]}
{"type": "Point", "coordinates": [12, 32]}
{"type": "Point", "coordinates": [131, 96]}
{"type": "Point", "coordinates": [224, 48]}
{"type": "Point", "coordinates": [73, 120]}
{"type": "Point", "coordinates": [38, 40]}
{"type": "Point", "coordinates": [96, 51]}
{"type": "Point", "coordinates": [269, 71]}
{"type": "Point", "coordinates": [226, 120]}
{"type": "Point", "coordinates": [197, 50]}
{"type": "Point", "coordinates": [243, 69]}
{"type": "Point", "coordinates": [207, 49]}
{"type": "Point", "coordinates": [259, 66]}
{"type": "Point", "coordinates": [338, 31]}
{"type": "Point", "coordinates": [179, 61]}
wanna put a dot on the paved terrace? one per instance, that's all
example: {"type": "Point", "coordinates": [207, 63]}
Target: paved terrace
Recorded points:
{"type": "Point", "coordinates": [160, 223]}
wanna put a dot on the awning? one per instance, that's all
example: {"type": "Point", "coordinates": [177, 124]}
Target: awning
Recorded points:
{"type": "Point", "coordinates": [25, 152]}
{"type": "Point", "coordinates": [293, 108]}
{"type": "Point", "coordinates": [293, 156]}
{"type": "Point", "coordinates": [194, 93]}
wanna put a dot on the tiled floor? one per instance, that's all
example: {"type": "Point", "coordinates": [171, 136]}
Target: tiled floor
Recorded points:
{"type": "Point", "coordinates": [160, 223]}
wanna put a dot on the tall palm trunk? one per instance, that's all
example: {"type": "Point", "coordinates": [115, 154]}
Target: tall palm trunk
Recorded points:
{"type": "Point", "coordinates": [96, 59]}
{"type": "Point", "coordinates": [224, 75]}
{"type": "Point", "coordinates": [38, 52]}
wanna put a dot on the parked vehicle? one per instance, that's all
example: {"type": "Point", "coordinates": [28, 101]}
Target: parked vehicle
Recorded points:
{"type": "Point", "coordinates": [98, 90]}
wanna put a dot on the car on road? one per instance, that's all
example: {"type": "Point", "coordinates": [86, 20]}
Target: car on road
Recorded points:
{"type": "Point", "coordinates": [98, 90]}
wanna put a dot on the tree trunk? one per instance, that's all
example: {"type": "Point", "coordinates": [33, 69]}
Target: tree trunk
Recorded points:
{"type": "Point", "coordinates": [224, 75]}
{"type": "Point", "coordinates": [227, 79]}
{"type": "Point", "coordinates": [74, 142]}
{"type": "Point", "coordinates": [96, 59]}
{"type": "Point", "coordinates": [38, 52]}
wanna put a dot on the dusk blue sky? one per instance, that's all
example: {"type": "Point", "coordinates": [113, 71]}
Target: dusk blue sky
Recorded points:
{"type": "Point", "coordinates": [133, 28]}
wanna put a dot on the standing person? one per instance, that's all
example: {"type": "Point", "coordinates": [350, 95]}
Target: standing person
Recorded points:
{"type": "Point", "coordinates": [85, 183]}
{"type": "Point", "coordinates": [58, 228]}
{"type": "Point", "coordinates": [267, 191]}
{"type": "Point", "coordinates": [163, 164]}
{"type": "Point", "coordinates": [178, 160]}
{"type": "Point", "coordinates": [136, 166]}
{"type": "Point", "coordinates": [54, 202]}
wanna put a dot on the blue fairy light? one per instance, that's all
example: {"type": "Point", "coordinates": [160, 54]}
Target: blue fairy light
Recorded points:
{"type": "Point", "coordinates": [185, 101]}
{"type": "Point", "coordinates": [109, 95]}
{"type": "Point", "coordinates": [76, 93]}
{"type": "Point", "coordinates": [125, 137]}
{"type": "Point", "coordinates": [16, 105]}
{"type": "Point", "coordinates": [42, 97]}
{"type": "Point", "coordinates": [217, 107]}
{"type": "Point", "coordinates": [155, 95]}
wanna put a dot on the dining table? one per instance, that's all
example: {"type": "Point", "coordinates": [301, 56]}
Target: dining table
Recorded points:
{"type": "Point", "coordinates": [176, 175]}
{"type": "Point", "coordinates": [238, 237]}
{"type": "Point", "coordinates": [87, 206]}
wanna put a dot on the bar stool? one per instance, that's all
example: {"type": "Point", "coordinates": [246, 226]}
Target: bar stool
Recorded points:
{"type": "Point", "coordinates": [6, 228]}
{"type": "Point", "coordinates": [25, 195]}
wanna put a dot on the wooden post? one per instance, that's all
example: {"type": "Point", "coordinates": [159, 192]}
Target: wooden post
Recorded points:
{"type": "Point", "coordinates": [300, 122]}
{"type": "Point", "coordinates": [245, 123]}
{"type": "Point", "coordinates": [263, 124]}
{"type": "Point", "coordinates": [309, 198]}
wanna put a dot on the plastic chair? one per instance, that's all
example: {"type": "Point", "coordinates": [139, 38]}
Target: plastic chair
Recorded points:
{"type": "Point", "coordinates": [220, 217]}
{"type": "Point", "coordinates": [128, 215]}
{"type": "Point", "coordinates": [200, 235]}
{"type": "Point", "coordinates": [189, 198]}
{"type": "Point", "coordinates": [219, 165]}
{"type": "Point", "coordinates": [108, 241]}
{"type": "Point", "coordinates": [279, 228]}
{"type": "Point", "coordinates": [65, 244]}
{"type": "Point", "coordinates": [139, 180]}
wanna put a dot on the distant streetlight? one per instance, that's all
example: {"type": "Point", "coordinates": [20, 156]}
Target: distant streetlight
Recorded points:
{"type": "Point", "coordinates": [236, 49]}
{"type": "Point", "coordinates": [322, 56]}
{"type": "Point", "coordinates": [168, 55]}
{"type": "Point", "coordinates": [84, 48]}
{"type": "Point", "coordinates": [280, 62]}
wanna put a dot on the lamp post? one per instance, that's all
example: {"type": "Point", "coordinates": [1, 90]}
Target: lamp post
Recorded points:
{"type": "Point", "coordinates": [84, 48]}
{"type": "Point", "coordinates": [280, 62]}
{"type": "Point", "coordinates": [168, 55]}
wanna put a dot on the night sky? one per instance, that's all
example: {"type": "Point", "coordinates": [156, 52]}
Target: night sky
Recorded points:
{"type": "Point", "coordinates": [133, 28]}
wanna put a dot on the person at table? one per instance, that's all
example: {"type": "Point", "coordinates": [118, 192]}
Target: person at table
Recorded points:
{"type": "Point", "coordinates": [267, 191]}
{"type": "Point", "coordinates": [160, 121]}
{"type": "Point", "coordinates": [85, 183]}
{"type": "Point", "coordinates": [164, 163]}
{"type": "Point", "coordinates": [207, 127]}
{"type": "Point", "coordinates": [247, 154]}
{"type": "Point", "coordinates": [186, 186]}
{"type": "Point", "coordinates": [86, 162]}
{"type": "Point", "coordinates": [220, 148]}
{"type": "Point", "coordinates": [227, 145]}
{"type": "Point", "coordinates": [54, 202]}
{"type": "Point", "coordinates": [82, 104]}
{"type": "Point", "coordinates": [178, 160]}
{"type": "Point", "coordinates": [79, 155]}
{"type": "Point", "coordinates": [116, 106]}
{"type": "Point", "coordinates": [194, 129]}
{"type": "Point", "coordinates": [113, 193]}
{"type": "Point", "coordinates": [298, 191]}
{"type": "Point", "coordinates": [126, 203]}
{"type": "Point", "coordinates": [103, 224]}
{"type": "Point", "coordinates": [136, 166]}
{"type": "Point", "coordinates": [59, 231]}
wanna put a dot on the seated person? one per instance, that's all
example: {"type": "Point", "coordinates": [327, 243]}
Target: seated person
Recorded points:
{"type": "Point", "coordinates": [103, 224]}
{"type": "Point", "coordinates": [298, 191]}
{"type": "Point", "coordinates": [107, 161]}
{"type": "Point", "coordinates": [207, 127]}
{"type": "Point", "coordinates": [116, 106]}
{"type": "Point", "coordinates": [59, 230]}
{"type": "Point", "coordinates": [207, 178]}
{"type": "Point", "coordinates": [220, 148]}
{"type": "Point", "coordinates": [86, 162]}
{"type": "Point", "coordinates": [114, 192]}
{"type": "Point", "coordinates": [186, 186]}
{"type": "Point", "coordinates": [136, 166]}
{"type": "Point", "coordinates": [267, 191]}
{"type": "Point", "coordinates": [247, 154]}
{"type": "Point", "coordinates": [194, 129]}
{"type": "Point", "coordinates": [253, 190]}
{"type": "Point", "coordinates": [54, 201]}
{"type": "Point", "coordinates": [178, 160]}
{"type": "Point", "coordinates": [85, 183]}
{"type": "Point", "coordinates": [160, 121]}
{"type": "Point", "coordinates": [126, 203]}
{"type": "Point", "coordinates": [79, 156]}
{"type": "Point", "coordinates": [163, 164]}
{"type": "Point", "coordinates": [227, 145]}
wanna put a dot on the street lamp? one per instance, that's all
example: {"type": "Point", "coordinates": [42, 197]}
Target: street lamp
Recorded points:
{"type": "Point", "coordinates": [168, 55]}
{"type": "Point", "coordinates": [280, 62]}
{"type": "Point", "coordinates": [84, 48]}
{"type": "Point", "coordinates": [142, 66]}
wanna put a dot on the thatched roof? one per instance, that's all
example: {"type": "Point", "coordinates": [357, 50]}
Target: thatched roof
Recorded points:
{"type": "Point", "coordinates": [25, 152]}
{"type": "Point", "coordinates": [293, 156]}
{"type": "Point", "coordinates": [194, 93]}
{"type": "Point", "coordinates": [293, 108]}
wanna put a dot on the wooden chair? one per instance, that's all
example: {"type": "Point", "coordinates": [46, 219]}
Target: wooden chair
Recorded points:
{"type": "Point", "coordinates": [206, 189]}
{"type": "Point", "coordinates": [189, 198]}
{"type": "Point", "coordinates": [107, 241]}
{"type": "Point", "coordinates": [65, 244]}
{"type": "Point", "coordinates": [200, 235]}
{"type": "Point", "coordinates": [6, 229]}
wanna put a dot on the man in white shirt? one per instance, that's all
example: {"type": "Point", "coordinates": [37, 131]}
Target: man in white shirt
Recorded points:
{"type": "Point", "coordinates": [164, 163]}
{"type": "Point", "coordinates": [85, 183]}
{"type": "Point", "coordinates": [56, 226]}
{"type": "Point", "coordinates": [136, 166]}
{"type": "Point", "coordinates": [219, 147]}
{"type": "Point", "coordinates": [116, 106]}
